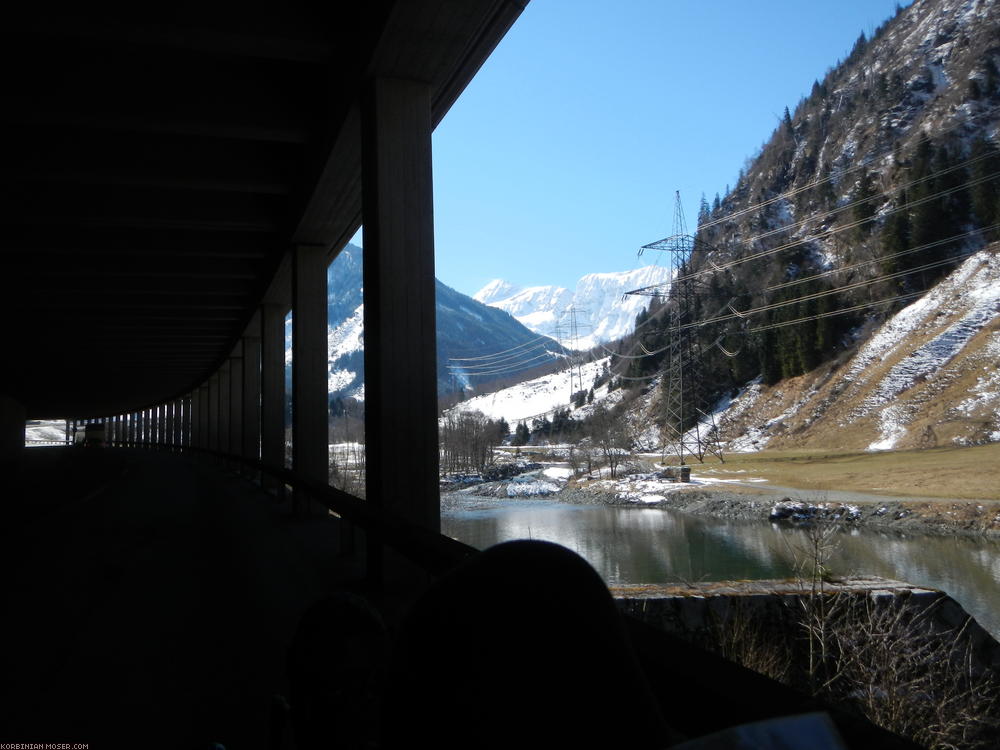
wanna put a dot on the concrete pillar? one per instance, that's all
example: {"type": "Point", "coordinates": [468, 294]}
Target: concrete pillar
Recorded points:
{"type": "Point", "coordinates": [400, 339]}
{"type": "Point", "coordinates": [168, 423]}
{"type": "Point", "coordinates": [251, 390]}
{"type": "Point", "coordinates": [12, 420]}
{"type": "Point", "coordinates": [310, 409]}
{"type": "Point", "coordinates": [161, 425]}
{"type": "Point", "coordinates": [177, 427]}
{"type": "Point", "coordinates": [189, 419]}
{"type": "Point", "coordinates": [214, 413]}
{"type": "Point", "coordinates": [224, 402]}
{"type": "Point", "coordinates": [194, 423]}
{"type": "Point", "coordinates": [236, 403]}
{"type": "Point", "coordinates": [206, 408]}
{"type": "Point", "coordinates": [272, 374]}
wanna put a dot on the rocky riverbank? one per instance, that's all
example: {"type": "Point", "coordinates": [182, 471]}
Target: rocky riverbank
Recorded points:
{"type": "Point", "coordinates": [927, 516]}
{"type": "Point", "coordinates": [740, 500]}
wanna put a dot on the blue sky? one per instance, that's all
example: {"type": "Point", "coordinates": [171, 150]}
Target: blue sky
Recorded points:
{"type": "Point", "coordinates": [563, 154]}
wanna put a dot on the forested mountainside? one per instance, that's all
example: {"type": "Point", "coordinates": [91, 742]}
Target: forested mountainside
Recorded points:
{"type": "Point", "coordinates": [871, 190]}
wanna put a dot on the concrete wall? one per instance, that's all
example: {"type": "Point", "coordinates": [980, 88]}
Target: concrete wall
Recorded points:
{"type": "Point", "coordinates": [775, 609]}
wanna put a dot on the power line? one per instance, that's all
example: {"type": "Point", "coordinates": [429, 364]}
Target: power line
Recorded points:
{"type": "Point", "coordinates": [501, 360]}
{"type": "Point", "coordinates": [823, 235]}
{"type": "Point", "coordinates": [881, 258]}
{"type": "Point", "coordinates": [861, 201]}
{"type": "Point", "coordinates": [815, 295]}
{"type": "Point", "coordinates": [815, 183]}
{"type": "Point", "coordinates": [496, 354]}
{"type": "Point", "coordinates": [509, 368]}
{"type": "Point", "coordinates": [917, 248]}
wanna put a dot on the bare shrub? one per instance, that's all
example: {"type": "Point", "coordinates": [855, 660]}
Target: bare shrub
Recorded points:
{"type": "Point", "coordinates": [742, 637]}
{"type": "Point", "coordinates": [905, 674]}
{"type": "Point", "coordinates": [880, 654]}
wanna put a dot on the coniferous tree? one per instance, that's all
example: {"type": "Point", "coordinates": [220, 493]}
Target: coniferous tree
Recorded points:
{"type": "Point", "coordinates": [863, 197]}
{"type": "Point", "coordinates": [895, 238]}
{"type": "Point", "coordinates": [985, 196]}
{"type": "Point", "coordinates": [955, 205]}
{"type": "Point", "coordinates": [925, 212]}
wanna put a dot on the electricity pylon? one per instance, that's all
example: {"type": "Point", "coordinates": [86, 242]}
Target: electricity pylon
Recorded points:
{"type": "Point", "coordinates": [687, 428]}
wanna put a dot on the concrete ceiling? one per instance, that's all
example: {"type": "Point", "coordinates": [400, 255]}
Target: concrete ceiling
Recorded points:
{"type": "Point", "coordinates": [157, 166]}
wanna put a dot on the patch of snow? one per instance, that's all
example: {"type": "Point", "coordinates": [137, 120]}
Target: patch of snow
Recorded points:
{"type": "Point", "coordinates": [558, 472]}
{"type": "Point", "coordinates": [349, 336]}
{"type": "Point", "coordinates": [536, 398]}
{"type": "Point", "coordinates": [338, 380]}
{"type": "Point", "coordinates": [892, 428]}
{"type": "Point", "coordinates": [531, 488]}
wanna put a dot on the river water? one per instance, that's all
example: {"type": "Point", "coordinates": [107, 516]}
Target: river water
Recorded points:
{"type": "Point", "coordinates": [652, 545]}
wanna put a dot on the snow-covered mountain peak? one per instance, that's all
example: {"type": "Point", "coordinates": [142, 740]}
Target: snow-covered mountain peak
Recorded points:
{"type": "Point", "coordinates": [596, 311]}
{"type": "Point", "coordinates": [497, 289]}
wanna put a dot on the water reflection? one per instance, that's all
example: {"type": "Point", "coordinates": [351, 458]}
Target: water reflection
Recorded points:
{"type": "Point", "coordinates": [646, 545]}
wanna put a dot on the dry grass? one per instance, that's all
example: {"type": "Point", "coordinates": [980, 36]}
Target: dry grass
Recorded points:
{"type": "Point", "coordinates": [971, 473]}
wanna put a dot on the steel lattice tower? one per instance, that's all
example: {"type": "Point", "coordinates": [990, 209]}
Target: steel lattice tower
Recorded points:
{"type": "Point", "coordinates": [687, 430]}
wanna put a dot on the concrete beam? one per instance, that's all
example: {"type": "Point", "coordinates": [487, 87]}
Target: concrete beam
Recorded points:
{"type": "Point", "coordinates": [400, 340]}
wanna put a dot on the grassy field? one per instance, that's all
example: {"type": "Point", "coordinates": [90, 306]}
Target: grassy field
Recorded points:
{"type": "Point", "coordinates": [971, 473]}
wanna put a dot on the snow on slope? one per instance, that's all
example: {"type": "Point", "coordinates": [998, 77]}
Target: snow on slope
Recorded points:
{"type": "Point", "coordinates": [535, 398]}
{"type": "Point", "coordinates": [930, 373]}
{"type": "Point", "coordinates": [977, 282]}
{"type": "Point", "coordinates": [349, 336]}
{"type": "Point", "coordinates": [603, 314]}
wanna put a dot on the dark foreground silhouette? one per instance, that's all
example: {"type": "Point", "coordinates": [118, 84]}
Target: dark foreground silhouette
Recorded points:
{"type": "Point", "coordinates": [520, 646]}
